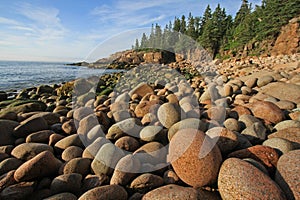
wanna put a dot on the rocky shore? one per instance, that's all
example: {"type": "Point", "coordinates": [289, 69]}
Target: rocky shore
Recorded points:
{"type": "Point", "coordinates": [157, 135]}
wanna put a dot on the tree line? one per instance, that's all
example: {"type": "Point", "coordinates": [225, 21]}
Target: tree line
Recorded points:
{"type": "Point", "coordinates": [217, 31]}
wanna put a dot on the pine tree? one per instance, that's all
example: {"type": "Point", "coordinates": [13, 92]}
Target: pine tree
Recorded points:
{"type": "Point", "coordinates": [182, 25]}
{"type": "Point", "coordinates": [191, 30]}
{"type": "Point", "coordinates": [177, 25]}
{"type": "Point", "coordinates": [157, 37]}
{"type": "Point", "coordinates": [206, 17]}
{"type": "Point", "coordinates": [144, 41]}
{"type": "Point", "coordinates": [137, 44]}
{"type": "Point", "coordinates": [242, 13]}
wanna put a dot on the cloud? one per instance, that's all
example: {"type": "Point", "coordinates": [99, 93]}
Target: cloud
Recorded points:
{"type": "Point", "coordinates": [7, 21]}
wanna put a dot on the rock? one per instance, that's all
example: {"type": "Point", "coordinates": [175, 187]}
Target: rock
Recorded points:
{"type": "Point", "coordinates": [72, 140]}
{"type": "Point", "coordinates": [69, 127]}
{"type": "Point", "coordinates": [7, 180]}
{"type": "Point", "coordinates": [224, 138]}
{"type": "Point", "coordinates": [9, 164]}
{"type": "Point", "coordinates": [232, 124]}
{"type": "Point", "coordinates": [40, 194]}
{"type": "Point", "coordinates": [153, 133]}
{"type": "Point", "coordinates": [287, 124]}
{"type": "Point", "coordinates": [44, 89]}
{"type": "Point", "coordinates": [71, 152]}
{"type": "Point", "coordinates": [281, 145]}
{"type": "Point", "coordinates": [240, 180]}
{"type": "Point", "coordinates": [151, 153]}
{"type": "Point", "coordinates": [49, 117]}
{"type": "Point", "coordinates": [187, 123]}
{"type": "Point", "coordinates": [263, 154]}
{"type": "Point", "coordinates": [9, 116]}
{"type": "Point", "coordinates": [251, 82]}
{"type": "Point", "coordinates": [248, 120]}
{"type": "Point", "coordinates": [18, 191]}
{"type": "Point", "coordinates": [86, 124]}
{"type": "Point", "coordinates": [127, 143]}
{"type": "Point", "coordinates": [124, 97]}
{"type": "Point", "coordinates": [29, 126]}
{"type": "Point", "coordinates": [106, 159]}
{"type": "Point", "coordinates": [145, 107]}
{"type": "Point", "coordinates": [267, 111]}
{"type": "Point", "coordinates": [194, 157]}
{"type": "Point", "coordinates": [54, 138]}
{"type": "Point", "coordinates": [91, 150]}
{"type": "Point", "coordinates": [26, 151]}
{"type": "Point", "coordinates": [287, 175]}
{"type": "Point", "coordinates": [78, 165]}
{"type": "Point", "coordinates": [66, 183]}
{"type": "Point", "coordinates": [146, 182]}
{"type": "Point", "coordinates": [121, 115]}
{"type": "Point", "coordinates": [81, 113]}
{"type": "Point", "coordinates": [115, 192]}
{"type": "Point", "coordinates": [287, 91]}
{"type": "Point", "coordinates": [285, 105]}
{"type": "Point", "coordinates": [3, 96]}
{"type": "Point", "coordinates": [257, 165]}
{"type": "Point", "coordinates": [141, 90]}
{"type": "Point", "coordinates": [44, 164]}
{"type": "Point", "coordinates": [62, 196]}
{"type": "Point", "coordinates": [174, 192]}
{"type": "Point", "coordinates": [264, 80]}
{"type": "Point", "coordinates": [7, 128]}
{"type": "Point", "coordinates": [96, 132]}
{"type": "Point", "coordinates": [126, 170]}
{"type": "Point", "coordinates": [131, 126]}
{"type": "Point", "coordinates": [24, 107]}
{"type": "Point", "coordinates": [93, 181]}
{"type": "Point", "coordinates": [169, 114]}
{"type": "Point", "coordinates": [291, 134]}
{"type": "Point", "coordinates": [255, 133]}
{"type": "Point", "coordinates": [39, 137]}
{"type": "Point", "coordinates": [6, 149]}
{"type": "Point", "coordinates": [239, 111]}
{"type": "Point", "coordinates": [228, 91]}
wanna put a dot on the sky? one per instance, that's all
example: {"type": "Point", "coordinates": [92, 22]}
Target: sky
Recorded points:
{"type": "Point", "coordinates": [73, 30]}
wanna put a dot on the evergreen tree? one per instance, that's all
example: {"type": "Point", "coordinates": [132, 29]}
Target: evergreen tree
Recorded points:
{"type": "Point", "coordinates": [206, 17]}
{"type": "Point", "coordinates": [191, 30]}
{"type": "Point", "coordinates": [242, 13]}
{"type": "Point", "coordinates": [182, 25]}
{"type": "Point", "coordinates": [177, 25]}
{"type": "Point", "coordinates": [144, 41]}
{"type": "Point", "coordinates": [137, 44]}
{"type": "Point", "coordinates": [157, 37]}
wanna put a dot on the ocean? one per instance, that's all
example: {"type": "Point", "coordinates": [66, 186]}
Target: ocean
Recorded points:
{"type": "Point", "coordinates": [17, 75]}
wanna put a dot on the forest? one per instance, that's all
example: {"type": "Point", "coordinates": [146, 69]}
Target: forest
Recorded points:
{"type": "Point", "coordinates": [218, 32]}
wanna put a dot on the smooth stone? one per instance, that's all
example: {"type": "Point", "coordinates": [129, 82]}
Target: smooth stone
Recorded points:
{"type": "Point", "coordinates": [121, 115]}
{"type": "Point", "coordinates": [106, 159]}
{"type": "Point", "coordinates": [264, 80]}
{"type": "Point", "coordinates": [141, 90]}
{"type": "Point", "coordinates": [71, 152]}
{"type": "Point", "coordinates": [194, 157]}
{"type": "Point", "coordinates": [29, 126]}
{"type": "Point", "coordinates": [39, 137]}
{"type": "Point", "coordinates": [224, 138]}
{"type": "Point", "coordinates": [287, 91]}
{"type": "Point", "coordinates": [145, 107]}
{"type": "Point", "coordinates": [54, 138]}
{"type": "Point", "coordinates": [176, 192]}
{"type": "Point", "coordinates": [9, 116]}
{"type": "Point", "coordinates": [248, 120]}
{"type": "Point", "coordinates": [18, 191]}
{"type": "Point", "coordinates": [152, 133]}
{"type": "Point", "coordinates": [251, 82]}
{"type": "Point", "coordinates": [7, 149]}
{"type": "Point", "coordinates": [131, 127]}
{"type": "Point", "coordinates": [40, 194]}
{"type": "Point", "coordinates": [151, 153]}
{"type": "Point", "coordinates": [7, 129]}
{"type": "Point", "coordinates": [255, 133]}
{"type": "Point", "coordinates": [50, 117]}
{"type": "Point", "coordinates": [86, 124]}
{"type": "Point", "coordinates": [95, 132]}
{"type": "Point", "coordinates": [69, 127]}
{"type": "Point", "coordinates": [263, 154]}
{"type": "Point", "coordinates": [228, 90]}
{"type": "Point", "coordinates": [287, 124]}
{"type": "Point", "coordinates": [91, 150]}
{"type": "Point", "coordinates": [287, 175]}
{"type": "Point", "coordinates": [124, 97]}
{"type": "Point", "coordinates": [115, 192]}
{"type": "Point", "coordinates": [187, 123]}
{"type": "Point", "coordinates": [170, 177]}
{"type": "Point", "coordinates": [232, 124]}
{"type": "Point", "coordinates": [169, 114]}
{"type": "Point", "coordinates": [72, 140]}
{"type": "Point", "coordinates": [66, 183]}
{"type": "Point", "coordinates": [126, 170]}
{"type": "Point", "coordinates": [93, 181]}
{"type": "Point", "coordinates": [146, 182]}
{"type": "Point", "coordinates": [285, 105]}
{"type": "Point", "coordinates": [239, 111]}
{"type": "Point", "coordinates": [81, 113]}
{"type": "Point", "coordinates": [282, 145]}
{"type": "Point", "coordinates": [127, 143]}
{"type": "Point", "coordinates": [291, 134]}
{"type": "Point", "coordinates": [267, 111]}
{"type": "Point", "coordinates": [7, 180]}
{"type": "Point", "coordinates": [62, 196]}
{"type": "Point", "coordinates": [239, 179]}
{"type": "Point", "coordinates": [295, 115]}
{"type": "Point", "coordinates": [26, 151]}
{"type": "Point", "coordinates": [78, 165]}
{"type": "Point", "coordinates": [44, 164]}
{"type": "Point", "coordinates": [257, 165]}
{"type": "Point", "coordinates": [9, 164]}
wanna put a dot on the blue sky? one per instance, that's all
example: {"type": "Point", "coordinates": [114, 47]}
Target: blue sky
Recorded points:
{"type": "Point", "coordinates": [69, 30]}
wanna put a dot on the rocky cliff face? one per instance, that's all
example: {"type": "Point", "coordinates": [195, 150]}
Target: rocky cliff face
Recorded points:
{"type": "Point", "coordinates": [288, 42]}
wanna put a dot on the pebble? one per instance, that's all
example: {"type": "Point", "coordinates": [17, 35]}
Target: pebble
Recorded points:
{"type": "Point", "coordinates": [291, 134]}
{"type": "Point", "coordinates": [256, 133]}
{"type": "Point", "coordinates": [264, 80]}
{"type": "Point", "coordinates": [195, 159]}
{"type": "Point", "coordinates": [146, 182]}
{"type": "Point", "coordinates": [9, 164]}
{"type": "Point", "coordinates": [39, 137]}
{"type": "Point", "coordinates": [128, 143]}
{"type": "Point", "coordinates": [169, 114]}
{"type": "Point", "coordinates": [26, 151]}
{"type": "Point", "coordinates": [7, 129]}
{"type": "Point", "coordinates": [280, 144]}
{"type": "Point", "coordinates": [77, 165]}
{"type": "Point", "coordinates": [239, 179]}
{"type": "Point", "coordinates": [287, 124]}
{"type": "Point", "coordinates": [267, 111]}
{"type": "Point", "coordinates": [71, 152]}
{"type": "Point", "coordinates": [29, 126]}
{"type": "Point", "coordinates": [18, 191]}
{"type": "Point", "coordinates": [66, 183]}
{"type": "Point", "coordinates": [62, 196]}
{"type": "Point", "coordinates": [93, 181]}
